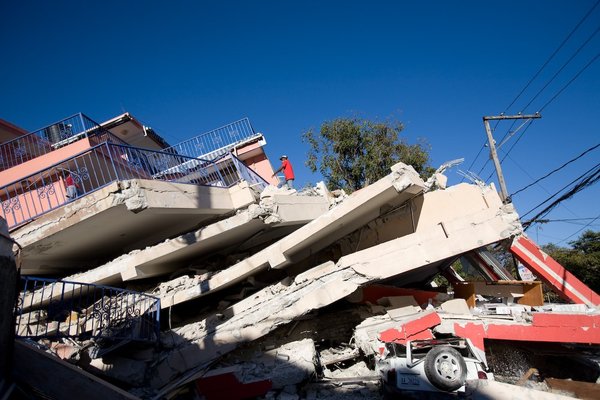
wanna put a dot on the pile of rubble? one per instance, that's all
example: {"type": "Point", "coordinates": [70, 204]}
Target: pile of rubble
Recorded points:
{"type": "Point", "coordinates": [318, 295]}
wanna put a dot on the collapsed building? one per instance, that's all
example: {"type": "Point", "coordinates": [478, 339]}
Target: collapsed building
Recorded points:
{"type": "Point", "coordinates": [181, 271]}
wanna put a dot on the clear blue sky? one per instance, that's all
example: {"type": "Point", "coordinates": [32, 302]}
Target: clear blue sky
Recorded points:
{"type": "Point", "coordinates": [184, 67]}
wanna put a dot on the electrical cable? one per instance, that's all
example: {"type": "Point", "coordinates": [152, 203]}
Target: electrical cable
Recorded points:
{"type": "Point", "coordinates": [556, 169]}
{"type": "Point", "coordinates": [554, 53]}
{"type": "Point", "coordinates": [532, 178]}
{"type": "Point", "coordinates": [545, 105]}
{"type": "Point", "coordinates": [580, 177]}
{"type": "Point", "coordinates": [571, 81]}
{"type": "Point", "coordinates": [589, 224]}
{"type": "Point", "coordinates": [562, 67]}
{"type": "Point", "coordinates": [565, 40]}
{"type": "Point", "coordinates": [475, 159]}
{"type": "Point", "coordinates": [585, 180]}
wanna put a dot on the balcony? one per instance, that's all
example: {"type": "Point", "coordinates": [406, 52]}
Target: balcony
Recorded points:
{"type": "Point", "coordinates": [92, 169]}
{"type": "Point", "coordinates": [217, 142]}
{"type": "Point", "coordinates": [48, 139]}
{"type": "Point", "coordinates": [48, 308]}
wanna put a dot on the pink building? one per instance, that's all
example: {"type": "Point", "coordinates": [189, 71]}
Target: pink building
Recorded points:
{"type": "Point", "coordinates": [35, 166]}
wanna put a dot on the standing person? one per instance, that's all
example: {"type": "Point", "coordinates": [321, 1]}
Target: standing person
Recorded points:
{"type": "Point", "coordinates": [288, 171]}
{"type": "Point", "coordinates": [72, 186]}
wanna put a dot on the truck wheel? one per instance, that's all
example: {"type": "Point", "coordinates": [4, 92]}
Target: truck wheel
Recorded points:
{"type": "Point", "coordinates": [445, 368]}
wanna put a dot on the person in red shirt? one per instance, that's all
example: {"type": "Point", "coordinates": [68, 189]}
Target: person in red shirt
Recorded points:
{"type": "Point", "coordinates": [72, 186]}
{"type": "Point", "coordinates": [288, 171]}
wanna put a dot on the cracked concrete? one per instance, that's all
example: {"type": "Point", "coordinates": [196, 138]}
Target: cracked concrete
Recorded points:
{"type": "Point", "coordinates": [199, 343]}
{"type": "Point", "coordinates": [173, 254]}
{"type": "Point", "coordinates": [119, 218]}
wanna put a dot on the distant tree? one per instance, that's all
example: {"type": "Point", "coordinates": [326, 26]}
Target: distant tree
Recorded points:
{"type": "Point", "coordinates": [583, 259]}
{"type": "Point", "coordinates": [352, 153]}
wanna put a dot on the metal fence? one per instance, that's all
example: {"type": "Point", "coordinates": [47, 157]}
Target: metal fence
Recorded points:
{"type": "Point", "coordinates": [215, 143]}
{"type": "Point", "coordinates": [47, 139]}
{"type": "Point", "coordinates": [92, 169]}
{"type": "Point", "coordinates": [49, 308]}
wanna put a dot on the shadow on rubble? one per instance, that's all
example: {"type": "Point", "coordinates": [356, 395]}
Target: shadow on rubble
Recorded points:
{"type": "Point", "coordinates": [285, 364]}
{"type": "Point", "coordinates": [513, 360]}
{"type": "Point", "coordinates": [310, 358]}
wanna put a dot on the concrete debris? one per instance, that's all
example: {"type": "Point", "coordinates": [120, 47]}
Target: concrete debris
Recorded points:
{"type": "Point", "coordinates": [334, 355]}
{"type": "Point", "coordinates": [310, 294]}
{"type": "Point", "coordinates": [456, 306]}
{"type": "Point", "coordinates": [358, 370]}
{"type": "Point", "coordinates": [286, 365]}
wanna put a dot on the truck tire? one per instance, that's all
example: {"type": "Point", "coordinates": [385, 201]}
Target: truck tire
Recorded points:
{"type": "Point", "coordinates": [445, 368]}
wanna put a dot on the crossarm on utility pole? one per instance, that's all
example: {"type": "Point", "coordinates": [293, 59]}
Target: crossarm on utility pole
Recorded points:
{"type": "Point", "coordinates": [494, 152]}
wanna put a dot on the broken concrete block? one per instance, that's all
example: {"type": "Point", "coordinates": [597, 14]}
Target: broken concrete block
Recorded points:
{"type": "Point", "coordinates": [455, 306]}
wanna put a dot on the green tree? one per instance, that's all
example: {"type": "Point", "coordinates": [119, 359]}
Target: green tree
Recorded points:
{"type": "Point", "coordinates": [352, 153]}
{"type": "Point", "coordinates": [583, 259]}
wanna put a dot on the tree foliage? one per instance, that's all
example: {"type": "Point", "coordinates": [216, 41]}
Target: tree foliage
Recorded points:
{"type": "Point", "coordinates": [583, 259]}
{"type": "Point", "coordinates": [352, 153]}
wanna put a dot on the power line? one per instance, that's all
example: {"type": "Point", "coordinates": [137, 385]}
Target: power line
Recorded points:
{"type": "Point", "coordinates": [562, 67]}
{"type": "Point", "coordinates": [556, 169]}
{"type": "Point", "coordinates": [571, 81]}
{"type": "Point", "coordinates": [589, 224]}
{"type": "Point", "coordinates": [553, 54]}
{"type": "Point", "coordinates": [565, 220]}
{"type": "Point", "coordinates": [565, 40]}
{"type": "Point", "coordinates": [545, 105]}
{"type": "Point", "coordinates": [539, 184]}
{"type": "Point", "coordinates": [560, 190]}
{"type": "Point", "coordinates": [585, 180]}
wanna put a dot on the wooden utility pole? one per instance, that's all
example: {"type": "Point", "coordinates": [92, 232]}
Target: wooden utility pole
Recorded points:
{"type": "Point", "coordinates": [493, 149]}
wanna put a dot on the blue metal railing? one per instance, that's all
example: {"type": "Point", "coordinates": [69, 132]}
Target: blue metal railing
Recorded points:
{"type": "Point", "coordinates": [48, 308]}
{"type": "Point", "coordinates": [95, 168]}
{"type": "Point", "coordinates": [248, 174]}
{"type": "Point", "coordinates": [47, 139]}
{"type": "Point", "coordinates": [215, 143]}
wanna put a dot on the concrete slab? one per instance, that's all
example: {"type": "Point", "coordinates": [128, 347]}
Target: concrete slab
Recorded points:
{"type": "Point", "coordinates": [357, 210]}
{"type": "Point", "coordinates": [118, 218]}
{"type": "Point", "coordinates": [172, 254]}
